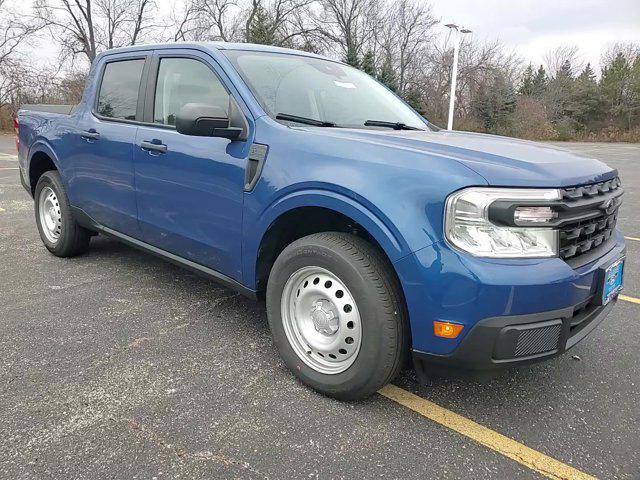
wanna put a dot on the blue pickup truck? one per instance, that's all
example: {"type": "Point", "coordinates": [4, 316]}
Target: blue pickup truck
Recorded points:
{"type": "Point", "coordinates": [372, 235]}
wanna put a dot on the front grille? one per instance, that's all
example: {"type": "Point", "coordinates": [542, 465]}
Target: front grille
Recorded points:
{"type": "Point", "coordinates": [588, 217]}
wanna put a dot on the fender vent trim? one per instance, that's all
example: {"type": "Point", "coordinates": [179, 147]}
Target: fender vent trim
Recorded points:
{"type": "Point", "coordinates": [257, 156]}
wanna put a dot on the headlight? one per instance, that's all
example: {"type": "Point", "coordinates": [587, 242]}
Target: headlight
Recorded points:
{"type": "Point", "coordinates": [467, 224]}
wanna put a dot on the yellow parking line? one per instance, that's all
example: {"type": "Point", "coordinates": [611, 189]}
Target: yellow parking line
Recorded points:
{"type": "Point", "coordinates": [633, 238]}
{"type": "Point", "coordinates": [541, 463]}
{"type": "Point", "coordinates": [10, 168]}
{"type": "Point", "coordinates": [2, 210]}
{"type": "Point", "coordinates": [629, 299]}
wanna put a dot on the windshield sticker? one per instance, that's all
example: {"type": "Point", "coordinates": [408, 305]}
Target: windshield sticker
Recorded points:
{"type": "Point", "coordinates": [344, 84]}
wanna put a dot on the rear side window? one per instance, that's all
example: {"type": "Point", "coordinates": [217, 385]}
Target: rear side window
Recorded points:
{"type": "Point", "coordinates": [182, 81]}
{"type": "Point", "coordinates": [118, 97]}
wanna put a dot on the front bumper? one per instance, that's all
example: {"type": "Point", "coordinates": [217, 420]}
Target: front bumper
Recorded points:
{"type": "Point", "coordinates": [513, 311]}
{"type": "Point", "coordinates": [520, 339]}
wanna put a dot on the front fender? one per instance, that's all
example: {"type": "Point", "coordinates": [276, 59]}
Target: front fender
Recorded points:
{"type": "Point", "coordinates": [378, 226]}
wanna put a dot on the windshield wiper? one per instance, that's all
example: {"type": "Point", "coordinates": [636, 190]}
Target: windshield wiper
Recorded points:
{"type": "Point", "coordinates": [394, 125]}
{"type": "Point", "coordinates": [304, 120]}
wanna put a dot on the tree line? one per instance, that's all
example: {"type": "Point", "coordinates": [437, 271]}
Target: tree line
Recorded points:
{"type": "Point", "coordinates": [401, 43]}
{"type": "Point", "coordinates": [566, 100]}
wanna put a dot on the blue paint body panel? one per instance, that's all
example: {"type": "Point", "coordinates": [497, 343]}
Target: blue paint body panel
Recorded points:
{"type": "Point", "coordinates": [447, 285]}
{"type": "Point", "coordinates": [190, 198]}
{"type": "Point", "coordinates": [190, 201]}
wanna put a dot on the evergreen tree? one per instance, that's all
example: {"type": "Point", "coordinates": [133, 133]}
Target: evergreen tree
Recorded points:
{"type": "Point", "coordinates": [414, 98]}
{"type": "Point", "coordinates": [260, 30]}
{"type": "Point", "coordinates": [539, 83]}
{"type": "Point", "coordinates": [635, 89]}
{"type": "Point", "coordinates": [616, 86]}
{"type": "Point", "coordinates": [351, 58]}
{"type": "Point", "coordinates": [387, 76]}
{"type": "Point", "coordinates": [565, 72]}
{"type": "Point", "coordinates": [368, 64]}
{"type": "Point", "coordinates": [494, 102]}
{"type": "Point", "coordinates": [558, 96]}
{"type": "Point", "coordinates": [526, 87]}
{"type": "Point", "coordinates": [587, 75]}
{"type": "Point", "coordinates": [586, 101]}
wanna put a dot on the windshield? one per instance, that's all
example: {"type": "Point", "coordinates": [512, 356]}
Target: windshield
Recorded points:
{"type": "Point", "coordinates": [319, 89]}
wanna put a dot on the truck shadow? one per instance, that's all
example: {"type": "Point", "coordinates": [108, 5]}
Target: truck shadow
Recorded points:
{"type": "Point", "coordinates": [507, 388]}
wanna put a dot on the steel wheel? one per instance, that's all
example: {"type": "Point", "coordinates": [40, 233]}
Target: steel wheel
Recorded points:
{"type": "Point", "coordinates": [50, 217]}
{"type": "Point", "coordinates": [321, 320]}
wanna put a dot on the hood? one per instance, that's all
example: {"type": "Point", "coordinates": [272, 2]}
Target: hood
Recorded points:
{"type": "Point", "coordinates": [502, 161]}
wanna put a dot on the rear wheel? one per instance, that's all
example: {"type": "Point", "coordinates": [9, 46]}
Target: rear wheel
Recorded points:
{"type": "Point", "coordinates": [59, 231]}
{"type": "Point", "coordinates": [337, 315]}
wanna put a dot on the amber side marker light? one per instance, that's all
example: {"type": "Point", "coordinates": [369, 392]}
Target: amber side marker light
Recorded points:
{"type": "Point", "coordinates": [446, 329]}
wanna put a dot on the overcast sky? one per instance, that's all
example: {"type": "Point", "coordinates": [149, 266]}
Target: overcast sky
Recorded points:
{"type": "Point", "coordinates": [527, 27]}
{"type": "Point", "coordinates": [532, 27]}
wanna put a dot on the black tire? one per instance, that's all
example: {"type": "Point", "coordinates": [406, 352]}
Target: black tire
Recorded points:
{"type": "Point", "coordinates": [369, 277]}
{"type": "Point", "coordinates": [73, 239]}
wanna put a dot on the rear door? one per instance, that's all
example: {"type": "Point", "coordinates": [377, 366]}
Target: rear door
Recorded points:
{"type": "Point", "coordinates": [102, 183]}
{"type": "Point", "coordinates": [189, 188]}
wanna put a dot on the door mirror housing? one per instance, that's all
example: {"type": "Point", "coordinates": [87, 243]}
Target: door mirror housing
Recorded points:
{"type": "Point", "coordinates": [202, 120]}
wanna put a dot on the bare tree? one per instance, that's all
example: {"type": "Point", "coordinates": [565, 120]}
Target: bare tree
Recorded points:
{"type": "Point", "coordinates": [628, 50]}
{"type": "Point", "coordinates": [206, 20]}
{"type": "Point", "coordinates": [72, 22]}
{"type": "Point", "coordinates": [125, 21]}
{"type": "Point", "coordinates": [478, 65]}
{"type": "Point", "coordinates": [142, 20]}
{"type": "Point", "coordinates": [559, 56]}
{"type": "Point", "coordinates": [351, 25]}
{"type": "Point", "coordinates": [273, 22]}
{"type": "Point", "coordinates": [404, 38]}
{"type": "Point", "coordinates": [220, 17]}
{"type": "Point", "coordinates": [182, 22]}
{"type": "Point", "coordinates": [83, 27]}
{"type": "Point", "coordinates": [277, 22]}
{"type": "Point", "coordinates": [14, 31]}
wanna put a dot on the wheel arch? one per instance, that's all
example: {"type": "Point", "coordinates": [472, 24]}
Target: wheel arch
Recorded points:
{"type": "Point", "coordinates": [304, 213]}
{"type": "Point", "coordinates": [41, 159]}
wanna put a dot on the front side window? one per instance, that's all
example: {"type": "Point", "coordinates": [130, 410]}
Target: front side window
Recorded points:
{"type": "Point", "coordinates": [118, 97]}
{"type": "Point", "coordinates": [319, 89]}
{"type": "Point", "coordinates": [185, 80]}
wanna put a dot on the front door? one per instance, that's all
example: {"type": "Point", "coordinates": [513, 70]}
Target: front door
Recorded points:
{"type": "Point", "coordinates": [189, 188]}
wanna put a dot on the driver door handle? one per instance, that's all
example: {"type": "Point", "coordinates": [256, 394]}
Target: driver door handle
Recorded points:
{"type": "Point", "coordinates": [90, 134]}
{"type": "Point", "coordinates": [153, 147]}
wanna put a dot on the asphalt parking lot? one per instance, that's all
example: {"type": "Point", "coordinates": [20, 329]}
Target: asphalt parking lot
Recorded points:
{"type": "Point", "coordinates": [115, 364]}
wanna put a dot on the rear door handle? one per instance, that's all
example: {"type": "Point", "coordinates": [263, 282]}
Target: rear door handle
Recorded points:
{"type": "Point", "coordinates": [154, 147]}
{"type": "Point", "coordinates": [90, 134]}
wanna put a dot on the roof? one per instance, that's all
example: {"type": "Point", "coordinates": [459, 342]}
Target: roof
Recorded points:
{"type": "Point", "coordinates": [217, 46]}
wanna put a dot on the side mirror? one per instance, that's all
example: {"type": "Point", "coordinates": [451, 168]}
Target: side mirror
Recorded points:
{"type": "Point", "coordinates": [202, 120]}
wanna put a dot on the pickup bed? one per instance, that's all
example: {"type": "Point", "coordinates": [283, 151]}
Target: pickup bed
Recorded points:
{"type": "Point", "coordinates": [370, 233]}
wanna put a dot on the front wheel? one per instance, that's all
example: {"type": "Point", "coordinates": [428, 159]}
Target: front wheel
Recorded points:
{"type": "Point", "coordinates": [337, 315]}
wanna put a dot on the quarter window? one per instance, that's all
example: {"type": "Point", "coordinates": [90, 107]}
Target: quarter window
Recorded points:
{"type": "Point", "coordinates": [118, 96]}
{"type": "Point", "coordinates": [184, 80]}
